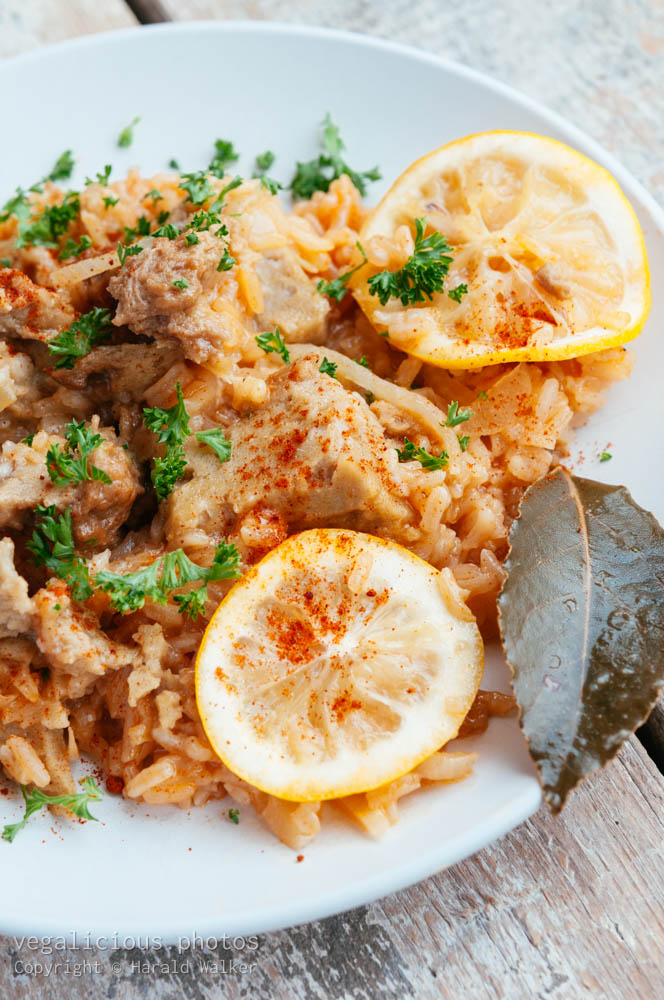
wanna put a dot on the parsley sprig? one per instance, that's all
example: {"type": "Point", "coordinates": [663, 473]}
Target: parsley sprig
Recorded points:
{"type": "Point", "coordinates": [129, 591]}
{"type": "Point", "coordinates": [337, 288]}
{"type": "Point", "coordinates": [428, 461]}
{"type": "Point", "coordinates": [274, 343]}
{"type": "Point", "coordinates": [81, 337]}
{"type": "Point", "coordinates": [71, 465]}
{"type": "Point", "coordinates": [19, 203]}
{"type": "Point", "coordinates": [318, 174]}
{"type": "Point", "coordinates": [328, 368]}
{"type": "Point", "coordinates": [263, 163]}
{"type": "Point", "coordinates": [74, 248]}
{"type": "Point", "coordinates": [126, 136]}
{"type": "Point", "coordinates": [215, 439]}
{"type": "Point", "coordinates": [224, 155]}
{"type": "Point", "coordinates": [172, 428]}
{"type": "Point", "coordinates": [423, 273]}
{"type": "Point", "coordinates": [35, 800]}
{"type": "Point", "coordinates": [455, 416]}
{"type": "Point", "coordinates": [52, 546]}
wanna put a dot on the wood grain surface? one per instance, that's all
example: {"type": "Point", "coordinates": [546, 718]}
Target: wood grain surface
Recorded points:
{"type": "Point", "coordinates": [560, 908]}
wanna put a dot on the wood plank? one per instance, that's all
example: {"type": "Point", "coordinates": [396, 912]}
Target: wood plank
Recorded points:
{"type": "Point", "coordinates": [27, 23]}
{"type": "Point", "coordinates": [567, 907]}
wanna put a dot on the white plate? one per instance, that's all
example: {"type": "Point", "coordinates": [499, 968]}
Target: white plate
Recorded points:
{"type": "Point", "coordinates": [161, 872]}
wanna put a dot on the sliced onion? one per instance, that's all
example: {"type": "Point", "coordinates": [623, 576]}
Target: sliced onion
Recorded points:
{"type": "Point", "coordinates": [423, 410]}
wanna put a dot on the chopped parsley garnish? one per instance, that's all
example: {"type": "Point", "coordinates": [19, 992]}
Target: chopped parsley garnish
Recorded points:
{"type": "Point", "coordinates": [234, 816]}
{"type": "Point", "coordinates": [81, 337]}
{"type": "Point", "coordinates": [162, 217]}
{"type": "Point", "coordinates": [28, 440]}
{"type": "Point", "coordinates": [458, 293]}
{"type": "Point", "coordinates": [73, 248]}
{"type": "Point", "coordinates": [369, 396]}
{"type": "Point", "coordinates": [173, 164]}
{"type": "Point", "coordinates": [5, 262]}
{"type": "Point", "coordinates": [337, 288]}
{"type": "Point", "coordinates": [217, 440]}
{"type": "Point", "coordinates": [124, 251]}
{"type": "Point", "coordinates": [45, 228]}
{"type": "Point", "coordinates": [71, 465]}
{"type": "Point", "coordinates": [35, 800]}
{"type": "Point", "coordinates": [274, 343]}
{"type": "Point", "coordinates": [362, 361]}
{"type": "Point", "coordinates": [456, 416]}
{"type": "Point", "coordinates": [606, 456]}
{"type": "Point", "coordinates": [202, 221]}
{"type": "Point", "coordinates": [226, 262]}
{"type": "Point", "coordinates": [224, 155]}
{"type": "Point", "coordinates": [198, 187]}
{"type": "Point", "coordinates": [126, 137]}
{"type": "Point", "coordinates": [52, 546]}
{"type": "Point", "coordinates": [100, 178]}
{"type": "Point", "coordinates": [428, 461]}
{"type": "Point", "coordinates": [180, 283]}
{"type": "Point", "coordinates": [172, 429]}
{"type": "Point", "coordinates": [191, 239]}
{"type": "Point", "coordinates": [235, 183]}
{"type": "Point", "coordinates": [263, 163]}
{"type": "Point", "coordinates": [109, 201]}
{"type": "Point", "coordinates": [328, 368]}
{"type": "Point", "coordinates": [129, 591]}
{"type": "Point", "coordinates": [482, 395]}
{"type": "Point", "coordinates": [423, 273]}
{"type": "Point", "coordinates": [142, 228]}
{"type": "Point", "coordinates": [169, 231]}
{"type": "Point", "coordinates": [62, 168]}
{"type": "Point", "coordinates": [463, 440]}
{"type": "Point", "coordinates": [318, 174]}
{"type": "Point", "coordinates": [154, 195]}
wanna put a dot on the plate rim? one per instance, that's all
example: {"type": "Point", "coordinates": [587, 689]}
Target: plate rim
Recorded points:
{"type": "Point", "coordinates": [504, 819]}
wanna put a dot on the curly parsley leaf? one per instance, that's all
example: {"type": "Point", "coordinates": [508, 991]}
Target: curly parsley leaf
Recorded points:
{"type": "Point", "coordinates": [263, 163]}
{"type": "Point", "coordinates": [410, 453]}
{"type": "Point", "coordinates": [129, 591]}
{"type": "Point", "coordinates": [337, 288]}
{"type": "Point", "coordinates": [100, 177]}
{"type": "Point", "coordinates": [126, 136]}
{"type": "Point", "coordinates": [62, 168]}
{"type": "Point", "coordinates": [606, 456]}
{"type": "Point", "coordinates": [74, 248]}
{"type": "Point", "coordinates": [463, 440]}
{"type": "Point", "coordinates": [46, 227]}
{"type": "Point", "coordinates": [169, 231]}
{"type": "Point", "coordinates": [181, 283]}
{"type": "Point", "coordinates": [362, 361]}
{"type": "Point", "coordinates": [455, 416]}
{"type": "Point", "coordinates": [224, 155]}
{"type": "Point", "coordinates": [81, 337]}
{"type": "Point", "coordinates": [458, 293]}
{"type": "Point", "coordinates": [172, 429]}
{"type": "Point", "coordinates": [52, 546]}
{"type": "Point", "coordinates": [328, 368]}
{"type": "Point", "coordinates": [423, 273]}
{"type": "Point", "coordinates": [217, 440]}
{"type": "Point", "coordinates": [197, 186]}
{"type": "Point", "coordinates": [124, 251]}
{"type": "Point", "coordinates": [110, 201]}
{"type": "Point", "coordinates": [72, 466]}
{"type": "Point", "coordinates": [273, 342]}
{"type": "Point", "coordinates": [318, 174]}
{"type": "Point", "coordinates": [227, 262]}
{"type": "Point", "coordinates": [35, 800]}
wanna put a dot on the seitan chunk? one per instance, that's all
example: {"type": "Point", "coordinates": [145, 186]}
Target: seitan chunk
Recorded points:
{"type": "Point", "coordinates": [290, 298]}
{"type": "Point", "coordinates": [121, 370]}
{"type": "Point", "coordinates": [98, 509]}
{"type": "Point", "coordinates": [314, 453]}
{"type": "Point", "coordinates": [15, 606]}
{"type": "Point", "coordinates": [30, 311]}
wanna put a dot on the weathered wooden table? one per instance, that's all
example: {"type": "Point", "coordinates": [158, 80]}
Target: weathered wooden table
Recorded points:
{"type": "Point", "coordinates": [561, 908]}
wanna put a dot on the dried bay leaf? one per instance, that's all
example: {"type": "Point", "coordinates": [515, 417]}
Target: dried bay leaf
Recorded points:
{"type": "Point", "coordinates": [581, 618]}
